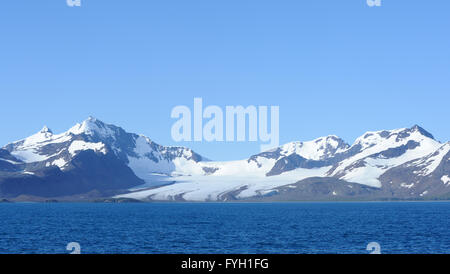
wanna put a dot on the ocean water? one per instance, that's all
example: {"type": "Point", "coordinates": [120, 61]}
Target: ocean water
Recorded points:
{"type": "Point", "coordinates": [293, 228]}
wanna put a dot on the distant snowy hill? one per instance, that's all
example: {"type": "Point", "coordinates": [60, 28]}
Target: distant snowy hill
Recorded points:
{"type": "Point", "coordinates": [95, 159]}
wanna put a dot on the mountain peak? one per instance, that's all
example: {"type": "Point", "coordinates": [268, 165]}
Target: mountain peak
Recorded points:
{"type": "Point", "coordinates": [90, 126]}
{"type": "Point", "coordinates": [92, 119]}
{"type": "Point", "coordinates": [417, 128]}
{"type": "Point", "coordinates": [373, 137]}
{"type": "Point", "coordinates": [45, 129]}
{"type": "Point", "coordinates": [316, 149]}
{"type": "Point", "coordinates": [43, 135]}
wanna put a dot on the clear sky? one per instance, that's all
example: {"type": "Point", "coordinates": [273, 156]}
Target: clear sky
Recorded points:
{"type": "Point", "coordinates": [333, 67]}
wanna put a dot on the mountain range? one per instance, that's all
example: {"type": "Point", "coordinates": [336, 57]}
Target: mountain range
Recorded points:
{"type": "Point", "coordinates": [95, 160]}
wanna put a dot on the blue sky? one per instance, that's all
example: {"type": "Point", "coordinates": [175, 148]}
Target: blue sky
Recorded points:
{"type": "Point", "coordinates": [333, 67]}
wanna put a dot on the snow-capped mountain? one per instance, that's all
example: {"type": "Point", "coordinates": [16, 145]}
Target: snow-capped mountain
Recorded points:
{"type": "Point", "coordinates": [365, 163]}
{"type": "Point", "coordinates": [375, 152]}
{"type": "Point", "coordinates": [424, 177]}
{"type": "Point", "coordinates": [97, 159]}
{"type": "Point", "coordinates": [122, 160]}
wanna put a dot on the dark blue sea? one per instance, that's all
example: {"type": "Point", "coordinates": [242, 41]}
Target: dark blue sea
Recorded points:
{"type": "Point", "coordinates": [398, 227]}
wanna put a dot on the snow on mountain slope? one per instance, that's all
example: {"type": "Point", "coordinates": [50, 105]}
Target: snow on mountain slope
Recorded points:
{"type": "Point", "coordinates": [140, 153]}
{"type": "Point", "coordinates": [391, 159]}
{"type": "Point", "coordinates": [427, 165]}
{"type": "Point", "coordinates": [423, 177]}
{"type": "Point", "coordinates": [29, 150]}
{"type": "Point", "coordinates": [8, 162]}
{"type": "Point", "coordinates": [91, 155]}
{"type": "Point", "coordinates": [246, 178]}
{"type": "Point", "coordinates": [445, 179]}
{"type": "Point", "coordinates": [147, 159]}
{"type": "Point", "coordinates": [50, 149]}
{"type": "Point", "coordinates": [243, 178]}
{"type": "Point", "coordinates": [259, 165]}
{"type": "Point", "coordinates": [78, 145]}
{"type": "Point", "coordinates": [382, 150]}
{"type": "Point", "coordinates": [319, 149]}
{"type": "Point", "coordinates": [364, 162]}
